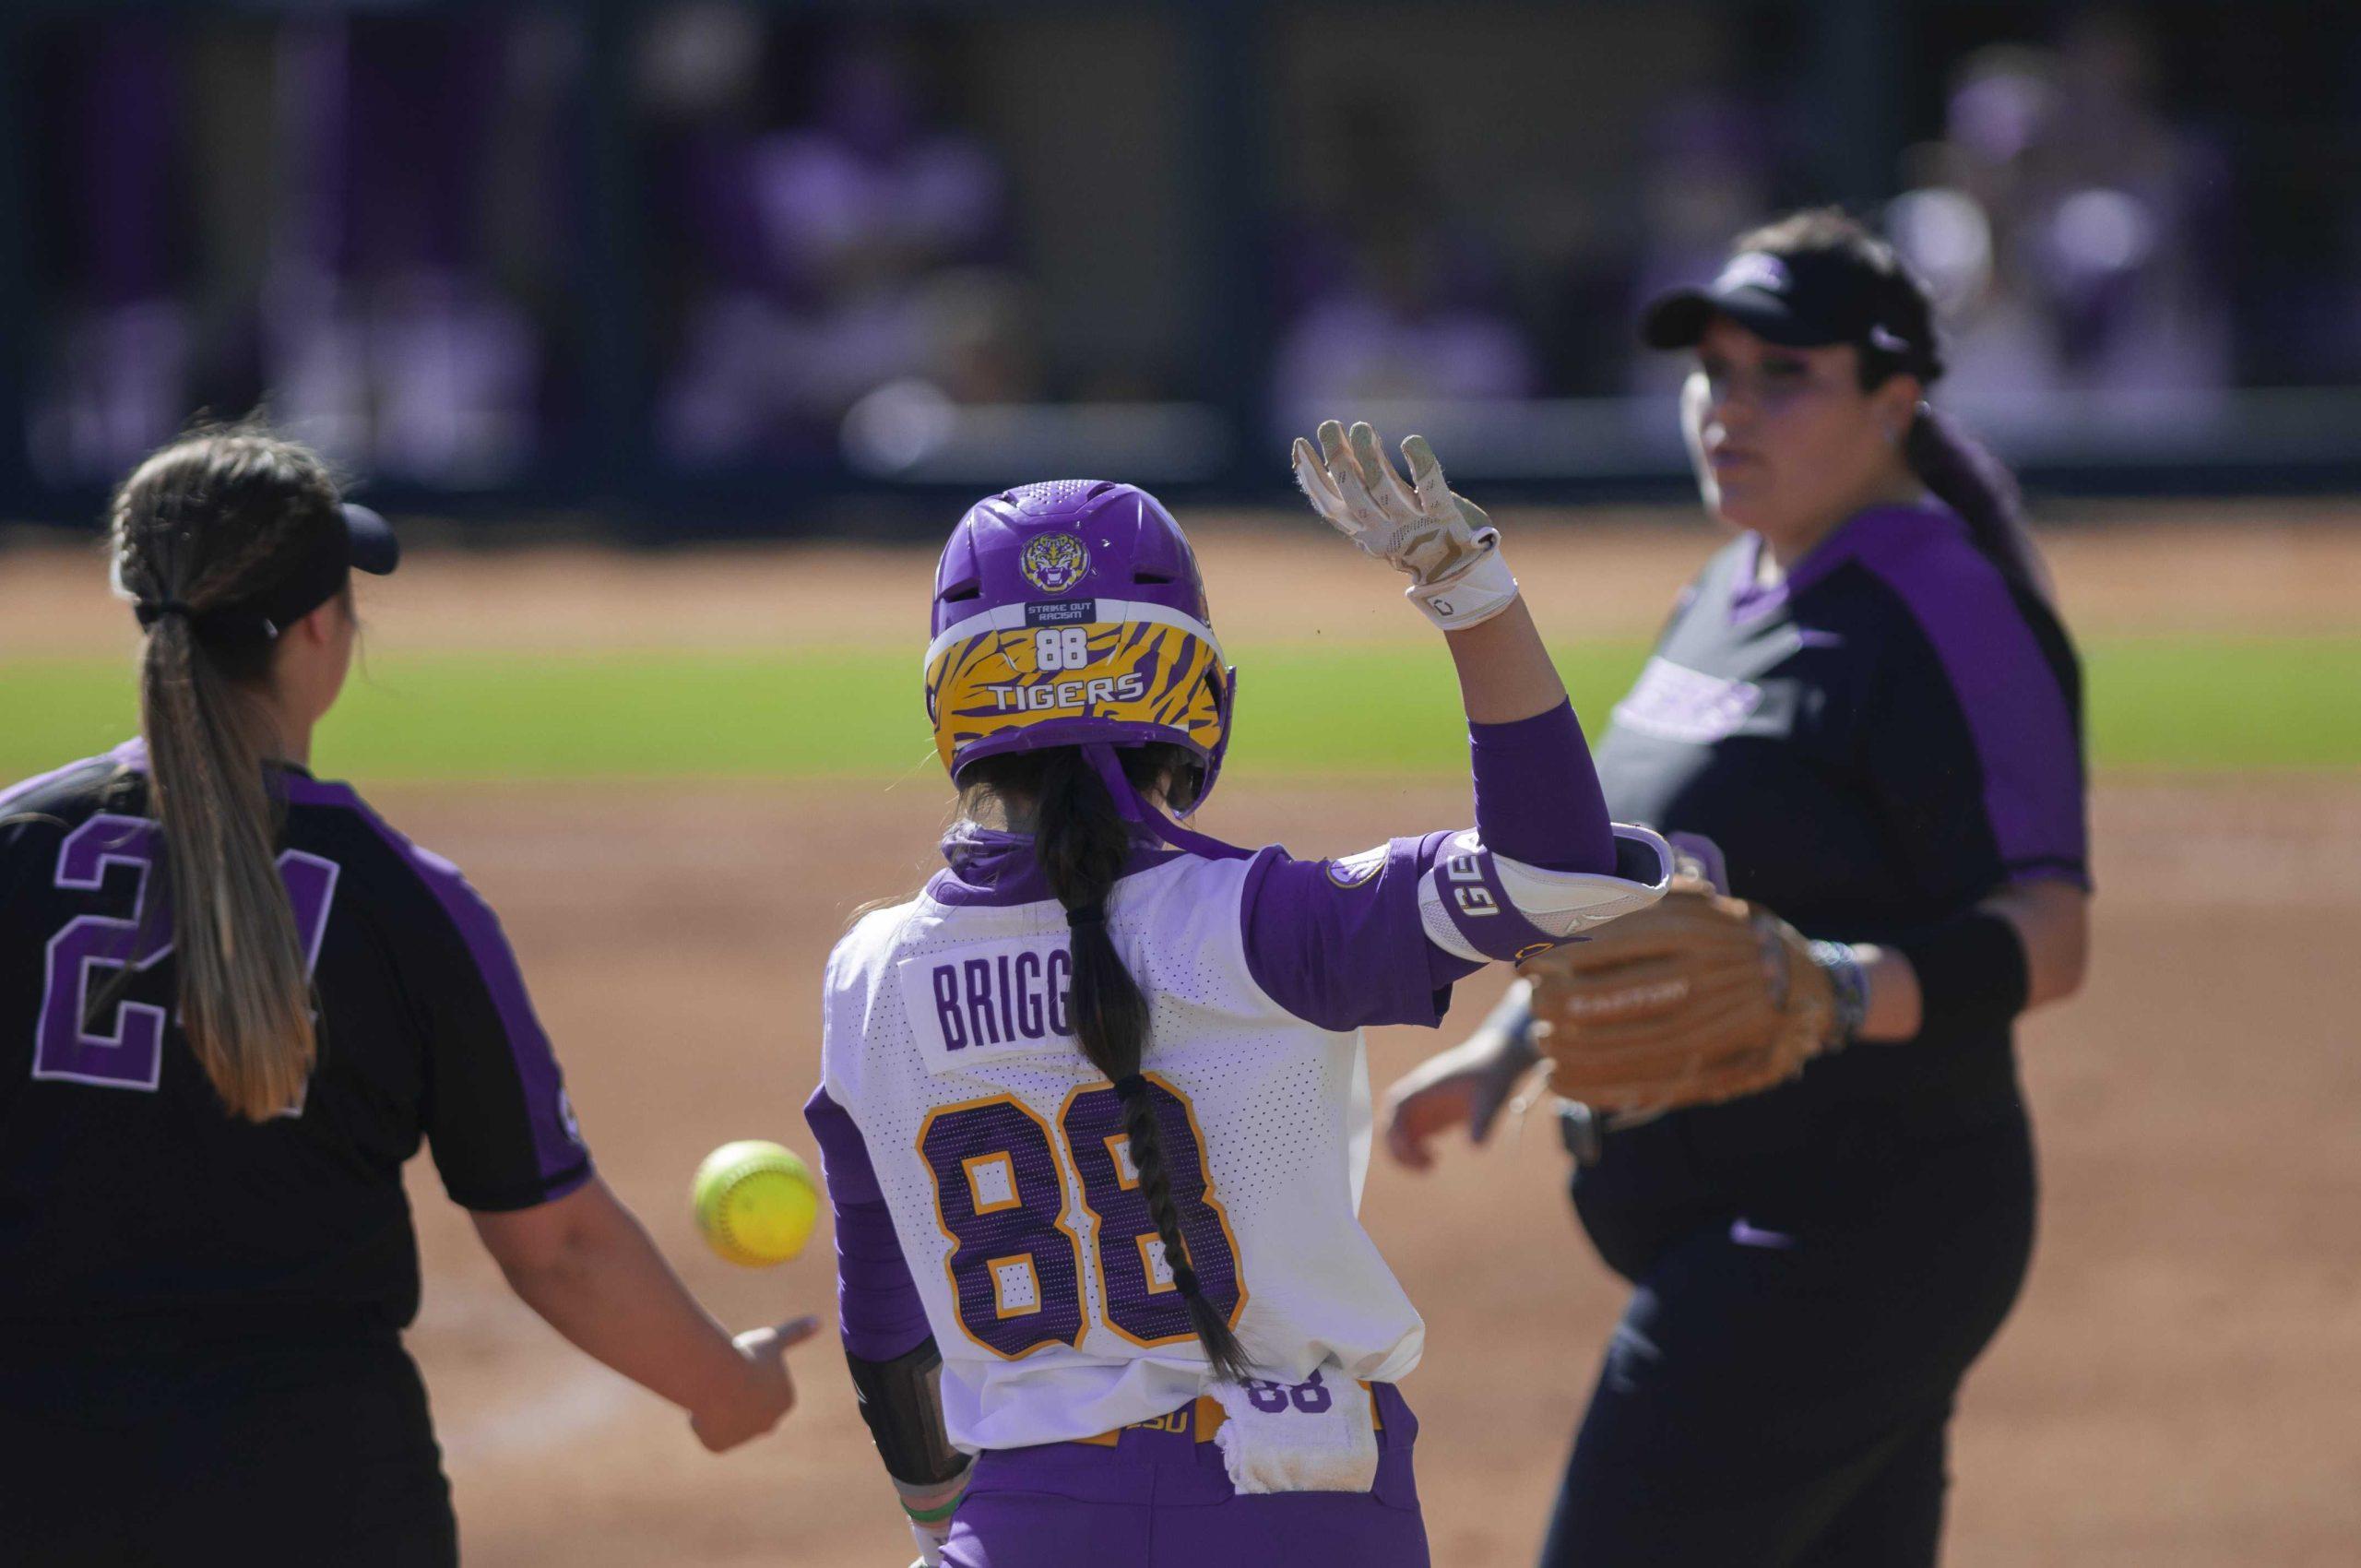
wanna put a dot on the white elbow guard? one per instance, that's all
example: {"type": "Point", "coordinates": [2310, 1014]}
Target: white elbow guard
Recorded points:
{"type": "Point", "coordinates": [1478, 905]}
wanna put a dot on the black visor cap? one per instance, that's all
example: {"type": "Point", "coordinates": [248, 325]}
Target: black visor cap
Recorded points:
{"type": "Point", "coordinates": [1806, 301]}
{"type": "Point", "coordinates": [1679, 319]}
{"type": "Point", "coordinates": [373, 547]}
{"type": "Point", "coordinates": [362, 540]}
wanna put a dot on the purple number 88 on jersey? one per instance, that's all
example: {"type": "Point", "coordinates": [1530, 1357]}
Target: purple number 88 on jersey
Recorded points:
{"type": "Point", "coordinates": [1016, 1265]}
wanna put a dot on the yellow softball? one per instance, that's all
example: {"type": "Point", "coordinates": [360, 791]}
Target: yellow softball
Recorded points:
{"type": "Point", "coordinates": [756, 1203]}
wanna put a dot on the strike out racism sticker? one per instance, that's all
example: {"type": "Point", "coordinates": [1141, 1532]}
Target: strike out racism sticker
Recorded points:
{"type": "Point", "coordinates": [1072, 612]}
{"type": "Point", "coordinates": [1054, 563]}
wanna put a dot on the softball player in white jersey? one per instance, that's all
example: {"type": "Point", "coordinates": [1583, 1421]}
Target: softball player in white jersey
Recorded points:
{"type": "Point", "coordinates": [1094, 1104]}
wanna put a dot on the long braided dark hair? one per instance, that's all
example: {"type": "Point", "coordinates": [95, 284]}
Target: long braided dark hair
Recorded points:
{"type": "Point", "coordinates": [1081, 841]}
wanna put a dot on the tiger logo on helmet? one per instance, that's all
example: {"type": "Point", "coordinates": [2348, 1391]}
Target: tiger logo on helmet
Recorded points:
{"type": "Point", "coordinates": [1072, 613]}
{"type": "Point", "coordinates": [1053, 562]}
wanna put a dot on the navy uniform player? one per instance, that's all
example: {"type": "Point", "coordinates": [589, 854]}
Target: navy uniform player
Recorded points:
{"type": "Point", "coordinates": [232, 1003]}
{"type": "Point", "coordinates": [1867, 702]}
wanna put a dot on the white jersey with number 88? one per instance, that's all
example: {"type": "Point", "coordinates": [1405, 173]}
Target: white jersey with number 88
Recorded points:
{"type": "Point", "coordinates": [1002, 1157]}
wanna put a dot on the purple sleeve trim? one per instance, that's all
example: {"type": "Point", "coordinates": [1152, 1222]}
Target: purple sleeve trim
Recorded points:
{"type": "Point", "coordinates": [25, 786]}
{"type": "Point", "coordinates": [1339, 944]}
{"type": "Point", "coordinates": [880, 1314]}
{"type": "Point", "coordinates": [557, 1146]}
{"type": "Point", "coordinates": [1537, 796]}
{"type": "Point", "coordinates": [2017, 716]}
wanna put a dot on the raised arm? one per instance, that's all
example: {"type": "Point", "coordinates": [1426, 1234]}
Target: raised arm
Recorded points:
{"type": "Point", "coordinates": [1536, 796]}
{"type": "Point", "coordinates": [1380, 937]}
{"type": "Point", "coordinates": [1505, 673]}
{"type": "Point", "coordinates": [1544, 862]}
{"type": "Point", "coordinates": [1451, 553]}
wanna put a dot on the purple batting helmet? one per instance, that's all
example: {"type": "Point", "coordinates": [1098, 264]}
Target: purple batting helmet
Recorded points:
{"type": "Point", "coordinates": [1071, 614]}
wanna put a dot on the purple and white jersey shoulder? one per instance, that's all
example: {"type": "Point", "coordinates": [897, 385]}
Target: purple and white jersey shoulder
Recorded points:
{"type": "Point", "coordinates": [1340, 943]}
{"type": "Point", "coordinates": [999, 1150]}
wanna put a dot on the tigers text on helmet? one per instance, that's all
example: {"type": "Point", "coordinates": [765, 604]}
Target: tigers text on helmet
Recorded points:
{"type": "Point", "coordinates": [1071, 614]}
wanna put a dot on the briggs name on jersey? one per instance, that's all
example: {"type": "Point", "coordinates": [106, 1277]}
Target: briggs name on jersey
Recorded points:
{"type": "Point", "coordinates": [988, 1000]}
{"type": "Point", "coordinates": [1069, 694]}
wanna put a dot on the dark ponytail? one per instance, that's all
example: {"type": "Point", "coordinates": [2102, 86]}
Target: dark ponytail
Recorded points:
{"type": "Point", "coordinates": [1082, 842]}
{"type": "Point", "coordinates": [1969, 480]}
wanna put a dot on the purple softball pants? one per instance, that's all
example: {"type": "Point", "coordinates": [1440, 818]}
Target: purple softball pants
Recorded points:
{"type": "Point", "coordinates": [1161, 1499]}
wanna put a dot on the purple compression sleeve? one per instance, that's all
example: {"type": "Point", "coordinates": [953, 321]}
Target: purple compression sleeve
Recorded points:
{"type": "Point", "coordinates": [1536, 795]}
{"type": "Point", "coordinates": [1339, 944]}
{"type": "Point", "coordinates": [878, 1309]}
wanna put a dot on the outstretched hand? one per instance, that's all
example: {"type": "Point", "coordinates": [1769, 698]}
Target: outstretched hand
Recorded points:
{"type": "Point", "coordinates": [763, 1395]}
{"type": "Point", "coordinates": [1420, 528]}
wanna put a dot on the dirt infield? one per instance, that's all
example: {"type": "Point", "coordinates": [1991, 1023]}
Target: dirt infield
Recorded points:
{"type": "Point", "coordinates": [2176, 1389]}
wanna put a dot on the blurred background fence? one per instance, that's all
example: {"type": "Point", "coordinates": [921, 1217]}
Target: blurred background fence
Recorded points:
{"type": "Point", "coordinates": [706, 267]}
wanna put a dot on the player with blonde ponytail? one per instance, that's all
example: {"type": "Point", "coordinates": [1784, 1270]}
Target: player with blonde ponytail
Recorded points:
{"type": "Point", "coordinates": [244, 997]}
{"type": "Point", "coordinates": [1093, 1105]}
{"type": "Point", "coordinates": [233, 1002]}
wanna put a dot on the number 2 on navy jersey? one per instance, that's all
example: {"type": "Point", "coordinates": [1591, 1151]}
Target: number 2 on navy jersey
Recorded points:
{"type": "Point", "coordinates": [1000, 1183]}
{"type": "Point", "coordinates": [128, 1055]}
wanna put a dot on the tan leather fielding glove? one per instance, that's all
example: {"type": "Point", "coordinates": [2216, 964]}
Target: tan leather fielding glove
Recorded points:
{"type": "Point", "coordinates": [1698, 999]}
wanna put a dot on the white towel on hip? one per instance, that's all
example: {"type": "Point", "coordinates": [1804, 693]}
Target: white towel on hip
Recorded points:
{"type": "Point", "coordinates": [1317, 1435]}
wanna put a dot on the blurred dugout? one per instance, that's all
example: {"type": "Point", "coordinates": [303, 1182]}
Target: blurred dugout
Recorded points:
{"type": "Point", "coordinates": [669, 254]}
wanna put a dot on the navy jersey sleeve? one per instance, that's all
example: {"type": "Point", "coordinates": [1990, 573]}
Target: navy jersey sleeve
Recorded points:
{"type": "Point", "coordinates": [497, 1115]}
{"type": "Point", "coordinates": [1971, 734]}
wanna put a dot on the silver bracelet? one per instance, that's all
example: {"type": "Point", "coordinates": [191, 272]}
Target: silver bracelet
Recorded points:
{"type": "Point", "coordinates": [1850, 985]}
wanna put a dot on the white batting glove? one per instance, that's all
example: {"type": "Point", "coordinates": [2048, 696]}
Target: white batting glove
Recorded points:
{"type": "Point", "coordinates": [1444, 544]}
{"type": "Point", "coordinates": [931, 1540]}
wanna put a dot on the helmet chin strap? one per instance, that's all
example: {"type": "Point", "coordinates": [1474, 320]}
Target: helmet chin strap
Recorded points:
{"type": "Point", "coordinates": [1134, 809]}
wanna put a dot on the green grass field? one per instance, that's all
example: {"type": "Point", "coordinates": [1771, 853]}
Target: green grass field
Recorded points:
{"type": "Point", "coordinates": [2181, 704]}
